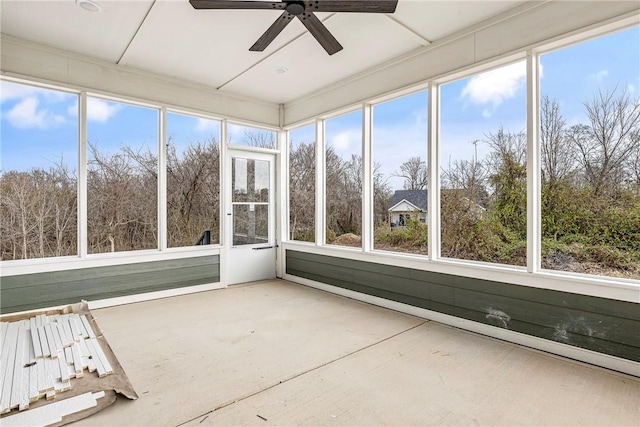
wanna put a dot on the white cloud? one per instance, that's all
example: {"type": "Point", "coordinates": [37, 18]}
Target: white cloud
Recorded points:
{"type": "Point", "coordinates": [599, 76]}
{"type": "Point", "coordinates": [631, 88]}
{"type": "Point", "coordinates": [493, 87]}
{"type": "Point", "coordinates": [204, 125]}
{"type": "Point", "coordinates": [99, 110]}
{"type": "Point", "coordinates": [11, 91]}
{"type": "Point", "coordinates": [26, 114]}
{"type": "Point", "coordinates": [347, 142]}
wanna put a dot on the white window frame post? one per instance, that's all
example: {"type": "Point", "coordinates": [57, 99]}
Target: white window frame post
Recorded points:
{"type": "Point", "coordinates": [533, 164]}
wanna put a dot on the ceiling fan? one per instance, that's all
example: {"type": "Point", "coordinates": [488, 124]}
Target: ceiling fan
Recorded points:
{"type": "Point", "coordinates": [304, 11]}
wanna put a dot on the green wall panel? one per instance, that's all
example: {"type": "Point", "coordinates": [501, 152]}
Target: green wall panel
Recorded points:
{"type": "Point", "coordinates": [40, 290]}
{"type": "Point", "coordinates": [598, 324]}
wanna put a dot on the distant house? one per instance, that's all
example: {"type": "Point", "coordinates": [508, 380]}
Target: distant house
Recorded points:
{"type": "Point", "coordinates": [407, 203]}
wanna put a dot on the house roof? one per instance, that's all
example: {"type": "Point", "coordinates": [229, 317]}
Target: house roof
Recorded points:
{"type": "Point", "coordinates": [418, 198]}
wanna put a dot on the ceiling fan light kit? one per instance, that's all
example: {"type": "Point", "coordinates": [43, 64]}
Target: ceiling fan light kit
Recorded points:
{"type": "Point", "coordinates": [304, 11]}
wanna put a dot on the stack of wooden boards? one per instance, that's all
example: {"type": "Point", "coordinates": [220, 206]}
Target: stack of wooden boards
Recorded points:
{"type": "Point", "coordinates": [40, 355]}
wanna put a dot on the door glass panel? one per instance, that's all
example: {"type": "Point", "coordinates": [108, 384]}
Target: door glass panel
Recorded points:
{"type": "Point", "coordinates": [250, 180]}
{"type": "Point", "coordinates": [250, 199]}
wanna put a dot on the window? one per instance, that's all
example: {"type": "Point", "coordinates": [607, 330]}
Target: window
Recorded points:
{"type": "Point", "coordinates": [122, 170]}
{"type": "Point", "coordinates": [193, 180]}
{"type": "Point", "coordinates": [250, 136]}
{"type": "Point", "coordinates": [483, 167]}
{"type": "Point", "coordinates": [38, 179]}
{"type": "Point", "coordinates": [590, 156]}
{"type": "Point", "coordinates": [343, 136]}
{"type": "Point", "coordinates": [302, 183]}
{"type": "Point", "coordinates": [400, 174]}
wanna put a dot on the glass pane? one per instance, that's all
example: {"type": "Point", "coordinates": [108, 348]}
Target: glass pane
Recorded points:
{"type": "Point", "coordinates": [483, 167]}
{"type": "Point", "coordinates": [302, 183]}
{"type": "Point", "coordinates": [193, 180]}
{"type": "Point", "coordinates": [250, 136]}
{"type": "Point", "coordinates": [400, 174]}
{"type": "Point", "coordinates": [590, 157]}
{"type": "Point", "coordinates": [250, 224]}
{"type": "Point", "coordinates": [343, 135]}
{"type": "Point", "coordinates": [250, 180]}
{"type": "Point", "coordinates": [122, 170]}
{"type": "Point", "coordinates": [38, 178]}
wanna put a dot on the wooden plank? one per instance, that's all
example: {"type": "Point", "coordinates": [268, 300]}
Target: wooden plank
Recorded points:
{"type": "Point", "coordinates": [93, 355]}
{"type": "Point", "coordinates": [44, 343]}
{"type": "Point", "coordinates": [68, 354]}
{"type": "Point", "coordinates": [87, 326]}
{"type": "Point", "coordinates": [4, 327]}
{"type": "Point", "coordinates": [64, 369]}
{"type": "Point", "coordinates": [28, 358]}
{"type": "Point", "coordinates": [60, 386]}
{"type": "Point", "coordinates": [18, 368]}
{"type": "Point", "coordinates": [102, 356]}
{"type": "Point", "coordinates": [48, 374]}
{"type": "Point", "coordinates": [67, 330]}
{"type": "Point", "coordinates": [51, 394]}
{"type": "Point", "coordinates": [75, 329]}
{"type": "Point", "coordinates": [87, 359]}
{"type": "Point", "coordinates": [56, 339]}
{"type": "Point", "coordinates": [33, 383]}
{"type": "Point", "coordinates": [33, 369]}
{"type": "Point", "coordinates": [77, 360]}
{"type": "Point", "coordinates": [53, 350]}
{"type": "Point", "coordinates": [7, 358]}
{"type": "Point", "coordinates": [35, 340]}
{"type": "Point", "coordinates": [42, 377]}
{"type": "Point", "coordinates": [54, 412]}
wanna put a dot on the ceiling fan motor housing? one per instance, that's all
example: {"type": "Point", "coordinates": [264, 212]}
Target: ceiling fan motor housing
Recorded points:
{"type": "Point", "coordinates": [294, 7]}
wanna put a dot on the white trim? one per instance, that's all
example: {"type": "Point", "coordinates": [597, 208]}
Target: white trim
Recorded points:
{"type": "Point", "coordinates": [433, 159]}
{"type": "Point", "coordinates": [225, 206]}
{"type": "Point", "coordinates": [282, 198]}
{"type": "Point", "coordinates": [149, 296]}
{"type": "Point", "coordinates": [321, 169]}
{"type": "Point", "coordinates": [577, 353]}
{"type": "Point", "coordinates": [597, 286]}
{"type": "Point", "coordinates": [45, 265]}
{"type": "Point", "coordinates": [534, 212]}
{"type": "Point", "coordinates": [240, 147]}
{"type": "Point", "coordinates": [261, 126]}
{"type": "Point", "coordinates": [367, 178]}
{"type": "Point", "coordinates": [82, 194]}
{"type": "Point", "coordinates": [163, 237]}
{"type": "Point", "coordinates": [599, 29]}
{"type": "Point", "coordinates": [407, 202]}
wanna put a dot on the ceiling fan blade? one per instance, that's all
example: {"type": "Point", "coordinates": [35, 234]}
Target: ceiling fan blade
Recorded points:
{"type": "Point", "coordinates": [232, 4]}
{"type": "Point", "coordinates": [320, 32]}
{"type": "Point", "coordinates": [361, 6]}
{"type": "Point", "coordinates": [272, 32]}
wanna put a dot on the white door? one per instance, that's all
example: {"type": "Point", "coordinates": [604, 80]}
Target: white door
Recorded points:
{"type": "Point", "coordinates": [251, 217]}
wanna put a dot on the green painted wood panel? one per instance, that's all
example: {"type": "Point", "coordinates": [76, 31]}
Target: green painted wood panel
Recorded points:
{"type": "Point", "coordinates": [40, 290]}
{"type": "Point", "coordinates": [598, 324]}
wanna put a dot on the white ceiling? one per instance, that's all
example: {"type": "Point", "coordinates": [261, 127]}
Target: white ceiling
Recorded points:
{"type": "Point", "coordinates": [210, 47]}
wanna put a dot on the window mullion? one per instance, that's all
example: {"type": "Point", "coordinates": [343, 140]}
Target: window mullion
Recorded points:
{"type": "Point", "coordinates": [533, 163]}
{"type": "Point", "coordinates": [82, 175]}
{"type": "Point", "coordinates": [433, 158]}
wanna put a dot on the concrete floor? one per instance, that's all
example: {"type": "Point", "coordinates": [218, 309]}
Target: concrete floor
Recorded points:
{"type": "Point", "coordinates": [276, 353]}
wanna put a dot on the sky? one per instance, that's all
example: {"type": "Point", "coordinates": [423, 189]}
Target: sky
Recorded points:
{"type": "Point", "coordinates": [39, 127]}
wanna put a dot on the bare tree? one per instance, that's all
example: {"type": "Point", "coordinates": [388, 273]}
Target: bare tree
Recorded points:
{"type": "Point", "coordinates": [302, 190]}
{"type": "Point", "coordinates": [260, 138]}
{"type": "Point", "coordinates": [556, 150]}
{"type": "Point", "coordinates": [415, 174]}
{"type": "Point", "coordinates": [606, 141]}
